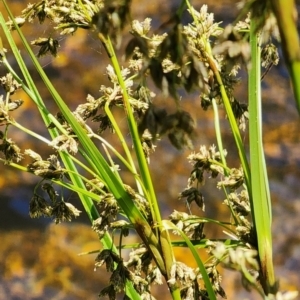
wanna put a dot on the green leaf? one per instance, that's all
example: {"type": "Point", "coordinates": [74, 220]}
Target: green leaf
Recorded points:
{"type": "Point", "coordinates": [168, 225]}
{"type": "Point", "coordinates": [260, 201]}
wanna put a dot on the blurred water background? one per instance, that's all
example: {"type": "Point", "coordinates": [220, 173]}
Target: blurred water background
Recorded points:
{"type": "Point", "coordinates": [39, 260]}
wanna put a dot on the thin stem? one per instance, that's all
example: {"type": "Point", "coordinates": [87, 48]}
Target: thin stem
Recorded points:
{"type": "Point", "coordinates": [124, 144]}
{"type": "Point", "coordinates": [218, 135]}
{"type": "Point", "coordinates": [233, 125]}
{"type": "Point", "coordinates": [115, 152]}
{"type": "Point", "coordinates": [231, 118]}
{"type": "Point", "coordinates": [30, 132]}
{"type": "Point", "coordinates": [112, 164]}
{"type": "Point", "coordinates": [143, 165]}
{"type": "Point", "coordinates": [162, 235]}
{"type": "Point", "coordinates": [14, 165]}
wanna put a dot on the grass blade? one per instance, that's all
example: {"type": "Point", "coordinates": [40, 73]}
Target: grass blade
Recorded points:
{"type": "Point", "coordinates": [261, 204]}
{"type": "Point", "coordinates": [168, 225]}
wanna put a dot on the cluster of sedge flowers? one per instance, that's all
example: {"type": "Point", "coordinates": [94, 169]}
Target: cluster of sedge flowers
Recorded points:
{"type": "Point", "coordinates": [207, 163]}
{"type": "Point", "coordinates": [47, 202]}
{"type": "Point", "coordinates": [10, 150]}
{"type": "Point", "coordinates": [138, 269]}
{"type": "Point", "coordinates": [170, 64]}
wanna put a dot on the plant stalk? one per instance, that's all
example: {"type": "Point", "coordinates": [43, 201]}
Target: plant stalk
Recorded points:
{"type": "Point", "coordinates": [260, 201]}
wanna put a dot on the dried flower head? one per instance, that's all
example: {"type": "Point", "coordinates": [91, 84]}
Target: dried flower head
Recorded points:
{"type": "Point", "coordinates": [191, 225]}
{"type": "Point", "coordinates": [206, 160]}
{"type": "Point", "coordinates": [64, 211]}
{"type": "Point", "coordinates": [141, 28]}
{"type": "Point", "coordinates": [239, 202]}
{"type": "Point", "coordinates": [199, 32]}
{"type": "Point", "coordinates": [49, 169]}
{"type": "Point", "coordinates": [193, 194]}
{"type": "Point", "coordinates": [108, 257]}
{"type": "Point", "coordinates": [269, 55]}
{"type": "Point", "coordinates": [11, 151]}
{"type": "Point", "coordinates": [6, 107]}
{"type": "Point", "coordinates": [39, 207]}
{"type": "Point", "coordinates": [46, 45]}
{"type": "Point", "coordinates": [9, 84]}
{"type": "Point", "coordinates": [234, 180]}
{"type": "Point", "coordinates": [65, 143]}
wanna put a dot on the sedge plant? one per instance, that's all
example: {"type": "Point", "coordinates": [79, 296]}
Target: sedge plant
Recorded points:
{"type": "Point", "coordinates": [197, 57]}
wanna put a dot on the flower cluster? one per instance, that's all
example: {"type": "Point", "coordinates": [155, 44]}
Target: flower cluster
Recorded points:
{"type": "Point", "coordinates": [239, 202]}
{"type": "Point", "coordinates": [106, 17]}
{"type": "Point", "coordinates": [182, 273]}
{"type": "Point", "coordinates": [200, 31]}
{"type": "Point", "coordinates": [54, 207]}
{"type": "Point", "coordinates": [193, 194]}
{"type": "Point", "coordinates": [48, 169]}
{"type": "Point", "coordinates": [68, 15]}
{"type": "Point", "coordinates": [46, 45]}
{"type": "Point", "coordinates": [10, 150]}
{"type": "Point", "coordinates": [234, 180]}
{"type": "Point", "coordinates": [94, 108]}
{"type": "Point", "coordinates": [108, 210]}
{"type": "Point", "coordinates": [138, 269]}
{"type": "Point", "coordinates": [9, 84]}
{"type": "Point", "coordinates": [166, 57]}
{"type": "Point", "coordinates": [6, 106]}
{"type": "Point", "coordinates": [206, 160]}
{"type": "Point", "coordinates": [241, 259]}
{"type": "Point", "coordinates": [179, 126]}
{"type": "Point", "coordinates": [119, 276]}
{"type": "Point", "coordinates": [191, 225]}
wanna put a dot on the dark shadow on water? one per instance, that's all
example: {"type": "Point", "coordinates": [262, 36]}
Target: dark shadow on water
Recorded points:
{"type": "Point", "coordinates": [14, 212]}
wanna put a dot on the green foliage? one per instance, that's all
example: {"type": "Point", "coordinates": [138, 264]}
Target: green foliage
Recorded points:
{"type": "Point", "coordinates": [201, 57]}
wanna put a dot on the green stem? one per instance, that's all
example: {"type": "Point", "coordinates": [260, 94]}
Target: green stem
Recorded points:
{"type": "Point", "coordinates": [260, 202]}
{"type": "Point", "coordinates": [286, 15]}
{"type": "Point", "coordinates": [142, 162]}
{"type": "Point", "coordinates": [124, 144]}
{"type": "Point", "coordinates": [218, 136]}
{"type": "Point", "coordinates": [86, 201]}
{"type": "Point", "coordinates": [233, 125]}
{"type": "Point", "coordinates": [116, 153]}
{"type": "Point", "coordinates": [163, 235]}
{"type": "Point", "coordinates": [226, 102]}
